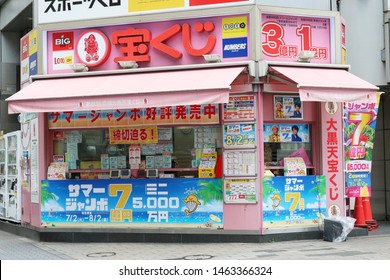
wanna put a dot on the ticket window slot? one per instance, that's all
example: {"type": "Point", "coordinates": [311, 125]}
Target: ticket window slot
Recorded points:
{"type": "Point", "coordinates": [114, 174]}
{"type": "Point", "coordinates": [141, 173]}
{"type": "Point", "coordinates": [125, 173]}
{"type": "Point", "coordinates": [151, 173]}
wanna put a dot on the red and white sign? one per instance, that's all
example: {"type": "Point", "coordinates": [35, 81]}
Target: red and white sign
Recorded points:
{"type": "Point", "coordinates": [151, 44]}
{"type": "Point", "coordinates": [332, 160]}
{"type": "Point", "coordinates": [93, 47]}
{"type": "Point", "coordinates": [63, 41]}
{"type": "Point", "coordinates": [358, 166]}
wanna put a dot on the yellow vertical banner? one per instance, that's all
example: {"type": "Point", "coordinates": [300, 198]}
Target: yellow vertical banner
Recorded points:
{"type": "Point", "coordinates": [133, 135]}
{"type": "Point", "coordinates": [33, 42]}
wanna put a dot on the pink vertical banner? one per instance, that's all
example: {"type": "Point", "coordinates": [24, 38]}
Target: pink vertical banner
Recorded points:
{"type": "Point", "coordinates": [332, 156]}
{"type": "Point", "coordinates": [359, 137]}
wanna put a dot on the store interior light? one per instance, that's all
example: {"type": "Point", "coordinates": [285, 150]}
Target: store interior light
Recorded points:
{"type": "Point", "coordinates": [212, 58]}
{"type": "Point", "coordinates": [79, 67]}
{"type": "Point", "coordinates": [128, 64]}
{"type": "Point", "coordinates": [305, 56]}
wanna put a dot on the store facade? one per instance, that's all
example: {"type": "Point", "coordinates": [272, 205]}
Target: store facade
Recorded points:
{"type": "Point", "coordinates": [236, 143]}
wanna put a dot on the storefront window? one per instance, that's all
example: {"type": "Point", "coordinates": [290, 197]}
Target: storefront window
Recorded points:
{"type": "Point", "coordinates": [177, 148]}
{"type": "Point", "coordinates": [286, 141]}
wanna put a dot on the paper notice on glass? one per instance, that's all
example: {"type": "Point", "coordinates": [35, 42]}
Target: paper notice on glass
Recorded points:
{"type": "Point", "coordinates": [240, 162]}
{"type": "Point", "coordinates": [294, 167]}
{"type": "Point", "coordinates": [72, 151]}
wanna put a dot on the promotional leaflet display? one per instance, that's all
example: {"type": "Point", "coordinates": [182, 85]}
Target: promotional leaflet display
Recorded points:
{"type": "Point", "coordinates": [239, 155]}
{"type": "Point", "coordinates": [240, 163]}
{"type": "Point", "coordinates": [240, 190]}
{"type": "Point", "coordinates": [240, 107]}
{"type": "Point", "coordinates": [208, 163]}
{"type": "Point", "coordinates": [239, 135]}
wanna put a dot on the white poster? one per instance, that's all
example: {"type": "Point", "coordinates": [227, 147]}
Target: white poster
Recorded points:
{"type": "Point", "coordinates": [35, 184]}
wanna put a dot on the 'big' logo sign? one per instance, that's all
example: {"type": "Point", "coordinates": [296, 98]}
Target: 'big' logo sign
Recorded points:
{"type": "Point", "coordinates": [63, 41]}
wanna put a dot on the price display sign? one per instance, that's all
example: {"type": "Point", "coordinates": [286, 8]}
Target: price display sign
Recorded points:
{"type": "Point", "coordinates": [285, 36]}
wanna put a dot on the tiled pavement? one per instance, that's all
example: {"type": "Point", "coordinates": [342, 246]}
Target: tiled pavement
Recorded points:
{"type": "Point", "coordinates": [375, 246]}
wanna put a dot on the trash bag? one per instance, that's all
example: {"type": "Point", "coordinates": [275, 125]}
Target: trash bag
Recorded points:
{"type": "Point", "coordinates": [336, 229]}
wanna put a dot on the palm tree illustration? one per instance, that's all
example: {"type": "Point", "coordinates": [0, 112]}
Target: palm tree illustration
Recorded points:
{"type": "Point", "coordinates": [210, 190]}
{"type": "Point", "coordinates": [320, 187]}
{"type": "Point", "coordinates": [268, 189]}
{"type": "Point", "coordinates": [45, 194]}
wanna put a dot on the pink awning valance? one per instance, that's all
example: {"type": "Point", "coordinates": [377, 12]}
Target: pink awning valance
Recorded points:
{"type": "Point", "coordinates": [123, 91]}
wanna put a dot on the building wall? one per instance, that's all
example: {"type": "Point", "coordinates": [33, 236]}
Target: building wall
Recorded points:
{"type": "Point", "coordinates": [9, 78]}
{"type": "Point", "coordinates": [11, 30]}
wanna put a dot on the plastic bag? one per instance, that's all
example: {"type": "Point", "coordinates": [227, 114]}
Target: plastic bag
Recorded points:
{"type": "Point", "coordinates": [336, 229]}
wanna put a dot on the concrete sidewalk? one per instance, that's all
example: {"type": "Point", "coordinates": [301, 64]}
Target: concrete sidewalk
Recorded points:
{"type": "Point", "coordinates": [374, 246]}
{"type": "Point", "coordinates": [162, 235]}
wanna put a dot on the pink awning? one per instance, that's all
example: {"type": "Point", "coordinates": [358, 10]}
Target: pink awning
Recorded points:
{"type": "Point", "coordinates": [124, 91]}
{"type": "Point", "coordinates": [326, 84]}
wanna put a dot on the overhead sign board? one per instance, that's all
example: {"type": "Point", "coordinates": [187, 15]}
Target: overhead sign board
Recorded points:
{"type": "Point", "coordinates": [52, 11]}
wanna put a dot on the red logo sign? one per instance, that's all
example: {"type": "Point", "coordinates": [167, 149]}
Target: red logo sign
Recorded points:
{"type": "Point", "coordinates": [24, 48]}
{"type": "Point", "coordinates": [93, 47]}
{"type": "Point", "coordinates": [63, 41]}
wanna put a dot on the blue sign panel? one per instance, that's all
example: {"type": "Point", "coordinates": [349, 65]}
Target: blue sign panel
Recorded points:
{"type": "Point", "coordinates": [295, 201]}
{"type": "Point", "coordinates": [33, 64]}
{"type": "Point", "coordinates": [235, 47]}
{"type": "Point", "coordinates": [188, 202]}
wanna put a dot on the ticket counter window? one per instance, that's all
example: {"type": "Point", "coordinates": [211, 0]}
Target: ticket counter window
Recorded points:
{"type": "Point", "coordinates": [177, 148]}
{"type": "Point", "coordinates": [286, 140]}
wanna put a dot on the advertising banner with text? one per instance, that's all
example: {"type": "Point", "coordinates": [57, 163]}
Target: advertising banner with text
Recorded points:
{"type": "Point", "coordinates": [296, 201]}
{"type": "Point", "coordinates": [149, 44]}
{"type": "Point", "coordinates": [126, 202]}
{"type": "Point", "coordinates": [360, 124]}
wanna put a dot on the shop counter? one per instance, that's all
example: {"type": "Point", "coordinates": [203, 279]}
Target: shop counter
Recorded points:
{"type": "Point", "coordinates": [163, 202]}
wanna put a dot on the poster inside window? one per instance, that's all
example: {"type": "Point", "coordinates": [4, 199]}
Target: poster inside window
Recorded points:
{"type": "Point", "coordinates": [287, 107]}
{"type": "Point", "coordinates": [286, 133]}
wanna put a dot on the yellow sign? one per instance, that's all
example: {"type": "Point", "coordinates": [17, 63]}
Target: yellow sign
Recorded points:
{"type": "Point", "coordinates": [133, 135]}
{"type": "Point", "coordinates": [146, 5]}
{"type": "Point", "coordinates": [343, 56]}
{"type": "Point", "coordinates": [206, 172]}
{"type": "Point", "coordinates": [33, 42]}
{"type": "Point", "coordinates": [235, 27]}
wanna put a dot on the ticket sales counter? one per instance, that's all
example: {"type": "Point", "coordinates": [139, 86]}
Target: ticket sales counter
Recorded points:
{"type": "Point", "coordinates": [163, 183]}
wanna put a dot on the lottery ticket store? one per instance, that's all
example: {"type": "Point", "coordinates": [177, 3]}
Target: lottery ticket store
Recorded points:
{"type": "Point", "coordinates": [235, 144]}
